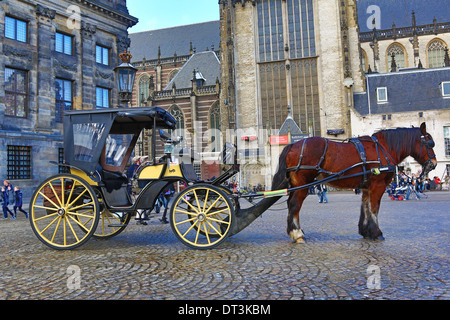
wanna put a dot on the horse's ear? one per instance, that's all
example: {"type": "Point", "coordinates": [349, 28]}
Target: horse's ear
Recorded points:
{"type": "Point", "coordinates": [423, 128]}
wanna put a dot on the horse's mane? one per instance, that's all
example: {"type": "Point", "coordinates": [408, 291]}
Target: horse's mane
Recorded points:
{"type": "Point", "coordinates": [401, 139]}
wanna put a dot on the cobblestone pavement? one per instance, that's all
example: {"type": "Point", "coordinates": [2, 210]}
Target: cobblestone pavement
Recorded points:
{"type": "Point", "coordinates": [148, 262]}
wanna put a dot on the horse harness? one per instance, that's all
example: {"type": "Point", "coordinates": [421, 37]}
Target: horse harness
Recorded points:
{"type": "Point", "coordinates": [362, 155]}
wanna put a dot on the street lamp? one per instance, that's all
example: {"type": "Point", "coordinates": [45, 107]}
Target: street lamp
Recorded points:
{"type": "Point", "coordinates": [125, 74]}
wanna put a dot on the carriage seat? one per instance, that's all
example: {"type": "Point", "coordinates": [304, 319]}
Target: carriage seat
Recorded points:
{"type": "Point", "coordinates": [189, 172]}
{"type": "Point", "coordinates": [113, 180]}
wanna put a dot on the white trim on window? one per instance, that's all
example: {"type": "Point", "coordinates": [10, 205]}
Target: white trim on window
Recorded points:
{"type": "Point", "coordinates": [445, 88]}
{"type": "Point", "coordinates": [382, 95]}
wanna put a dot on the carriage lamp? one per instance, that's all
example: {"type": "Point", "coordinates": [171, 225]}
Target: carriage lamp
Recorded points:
{"type": "Point", "coordinates": [125, 74]}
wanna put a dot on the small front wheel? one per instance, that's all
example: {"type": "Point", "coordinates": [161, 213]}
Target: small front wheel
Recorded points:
{"type": "Point", "coordinates": [202, 216]}
{"type": "Point", "coordinates": [64, 212]}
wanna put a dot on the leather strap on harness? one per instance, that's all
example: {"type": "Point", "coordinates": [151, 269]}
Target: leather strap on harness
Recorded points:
{"type": "Point", "coordinates": [362, 155]}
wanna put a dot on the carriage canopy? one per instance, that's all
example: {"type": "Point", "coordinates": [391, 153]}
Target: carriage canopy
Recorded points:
{"type": "Point", "coordinates": [108, 136]}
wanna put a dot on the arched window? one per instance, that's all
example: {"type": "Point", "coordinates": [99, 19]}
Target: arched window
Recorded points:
{"type": "Point", "coordinates": [364, 64]}
{"type": "Point", "coordinates": [214, 121]}
{"type": "Point", "coordinates": [436, 52]}
{"type": "Point", "coordinates": [176, 112]}
{"type": "Point", "coordinates": [399, 57]}
{"type": "Point", "coordinates": [144, 83]}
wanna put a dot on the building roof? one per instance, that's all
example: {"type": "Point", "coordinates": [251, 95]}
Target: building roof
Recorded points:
{"type": "Point", "coordinates": [289, 125]}
{"type": "Point", "coordinates": [412, 90]}
{"type": "Point", "coordinates": [206, 66]}
{"type": "Point", "coordinates": [399, 12]}
{"type": "Point", "coordinates": [175, 40]}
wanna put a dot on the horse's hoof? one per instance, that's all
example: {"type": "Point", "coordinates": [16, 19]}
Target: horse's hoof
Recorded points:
{"type": "Point", "coordinates": [381, 238]}
{"type": "Point", "coordinates": [300, 240]}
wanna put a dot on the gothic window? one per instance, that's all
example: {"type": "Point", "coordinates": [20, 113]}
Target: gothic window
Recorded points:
{"type": "Point", "coordinates": [364, 64]}
{"type": "Point", "coordinates": [399, 57]}
{"type": "Point", "coordinates": [172, 74]}
{"type": "Point", "coordinates": [273, 94]}
{"type": "Point", "coordinates": [436, 52]}
{"type": "Point", "coordinates": [282, 83]}
{"type": "Point", "coordinates": [301, 28]}
{"type": "Point", "coordinates": [144, 83]}
{"type": "Point", "coordinates": [214, 120]}
{"type": "Point", "coordinates": [176, 112]}
{"type": "Point", "coordinates": [270, 27]}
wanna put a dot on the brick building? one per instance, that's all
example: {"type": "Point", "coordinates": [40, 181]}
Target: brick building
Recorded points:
{"type": "Point", "coordinates": [55, 56]}
{"type": "Point", "coordinates": [179, 70]}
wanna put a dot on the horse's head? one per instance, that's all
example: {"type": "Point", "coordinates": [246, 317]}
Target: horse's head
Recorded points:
{"type": "Point", "coordinates": [424, 153]}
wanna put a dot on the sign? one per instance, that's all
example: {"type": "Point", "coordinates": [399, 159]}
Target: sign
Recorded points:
{"type": "Point", "coordinates": [279, 139]}
{"type": "Point", "coordinates": [298, 137]}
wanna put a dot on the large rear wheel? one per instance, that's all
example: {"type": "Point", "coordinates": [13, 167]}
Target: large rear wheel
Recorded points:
{"type": "Point", "coordinates": [64, 212]}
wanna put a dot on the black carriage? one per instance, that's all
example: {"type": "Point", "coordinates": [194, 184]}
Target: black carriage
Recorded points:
{"type": "Point", "coordinates": [93, 198]}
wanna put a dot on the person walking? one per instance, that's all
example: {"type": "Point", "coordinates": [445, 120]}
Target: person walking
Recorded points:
{"type": "Point", "coordinates": [19, 202]}
{"type": "Point", "coordinates": [322, 193]}
{"type": "Point", "coordinates": [7, 199]}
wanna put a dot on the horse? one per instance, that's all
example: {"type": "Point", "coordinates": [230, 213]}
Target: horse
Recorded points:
{"type": "Point", "coordinates": [366, 163]}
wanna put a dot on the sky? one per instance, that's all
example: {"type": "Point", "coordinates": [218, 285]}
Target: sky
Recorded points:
{"type": "Point", "coordinates": [160, 14]}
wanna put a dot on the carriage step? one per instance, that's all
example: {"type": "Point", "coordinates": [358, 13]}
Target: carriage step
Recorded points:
{"type": "Point", "coordinates": [116, 225]}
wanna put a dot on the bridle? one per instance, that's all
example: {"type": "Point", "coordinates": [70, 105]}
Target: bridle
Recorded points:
{"type": "Point", "coordinates": [429, 144]}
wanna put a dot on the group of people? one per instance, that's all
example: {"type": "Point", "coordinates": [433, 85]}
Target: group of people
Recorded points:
{"type": "Point", "coordinates": [11, 196]}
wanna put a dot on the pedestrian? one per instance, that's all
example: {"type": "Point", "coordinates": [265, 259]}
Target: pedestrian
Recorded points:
{"type": "Point", "coordinates": [168, 193]}
{"type": "Point", "coordinates": [19, 202]}
{"type": "Point", "coordinates": [322, 193]}
{"type": "Point", "coordinates": [7, 199]}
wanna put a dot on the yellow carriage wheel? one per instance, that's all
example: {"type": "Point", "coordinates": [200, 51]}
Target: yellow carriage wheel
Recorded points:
{"type": "Point", "coordinates": [202, 216]}
{"type": "Point", "coordinates": [110, 224]}
{"type": "Point", "coordinates": [64, 212]}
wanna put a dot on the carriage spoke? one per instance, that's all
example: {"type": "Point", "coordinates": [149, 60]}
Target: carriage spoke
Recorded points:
{"type": "Point", "coordinates": [71, 228]}
{"type": "Point", "coordinates": [218, 221]}
{"type": "Point", "coordinates": [49, 225]}
{"type": "Point", "coordinates": [56, 229]}
{"type": "Point", "coordinates": [206, 200]}
{"type": "Point", "coordinates": [190, 205]}
{"type": "Point", "coordinates": [54, 192]}
{"type": "Point", "coordinates": [186, 212]}
{"type": "Point", "coordinates": [211, 226]}
{"type": "Point", "coordinates": [79, 196]}
{"type": "Point", "coordinates": [185, 221]}
{"type": "Point", "coordinates": [48, 199]}
{"type": "Point", "coordinates": [81, 206]}
{"type": "Point", "coordinates": [78, 222]}
{"type": "Point", "coordinates": [192, 226]}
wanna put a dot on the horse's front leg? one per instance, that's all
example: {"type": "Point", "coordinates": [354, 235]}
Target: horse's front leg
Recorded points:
{"type": "Point", "coordinates": [368, 221]}
{"type": "Point", "coordinates": [295, 202]}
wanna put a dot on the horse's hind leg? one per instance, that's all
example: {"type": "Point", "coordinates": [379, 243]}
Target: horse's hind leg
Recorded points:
{"type": "Point", "coordinates": [295, 202]}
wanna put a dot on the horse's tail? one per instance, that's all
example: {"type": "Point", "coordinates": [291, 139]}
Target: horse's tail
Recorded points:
{"type": "Point", "coordinates": [246, 216]}
{"type": "Point", "coordinates": [280, 178]}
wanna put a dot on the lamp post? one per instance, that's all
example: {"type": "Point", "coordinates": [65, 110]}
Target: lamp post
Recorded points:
{"type": "Point", "coordinates": [125, 74]}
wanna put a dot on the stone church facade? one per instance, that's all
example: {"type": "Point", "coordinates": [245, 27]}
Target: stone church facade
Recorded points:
{"type": "Point", "coordinates": [280, 55]}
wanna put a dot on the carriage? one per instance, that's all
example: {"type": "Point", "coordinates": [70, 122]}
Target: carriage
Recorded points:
{"type": "Point", "coordinates": [91, 198]}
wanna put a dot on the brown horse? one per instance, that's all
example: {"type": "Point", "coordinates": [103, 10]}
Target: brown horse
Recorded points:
{"type": "Point", "coordinates": [367, 163]}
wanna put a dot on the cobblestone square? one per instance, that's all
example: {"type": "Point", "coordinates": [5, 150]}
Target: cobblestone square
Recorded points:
{"type": "Point", "coordinates": [148, 262]}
